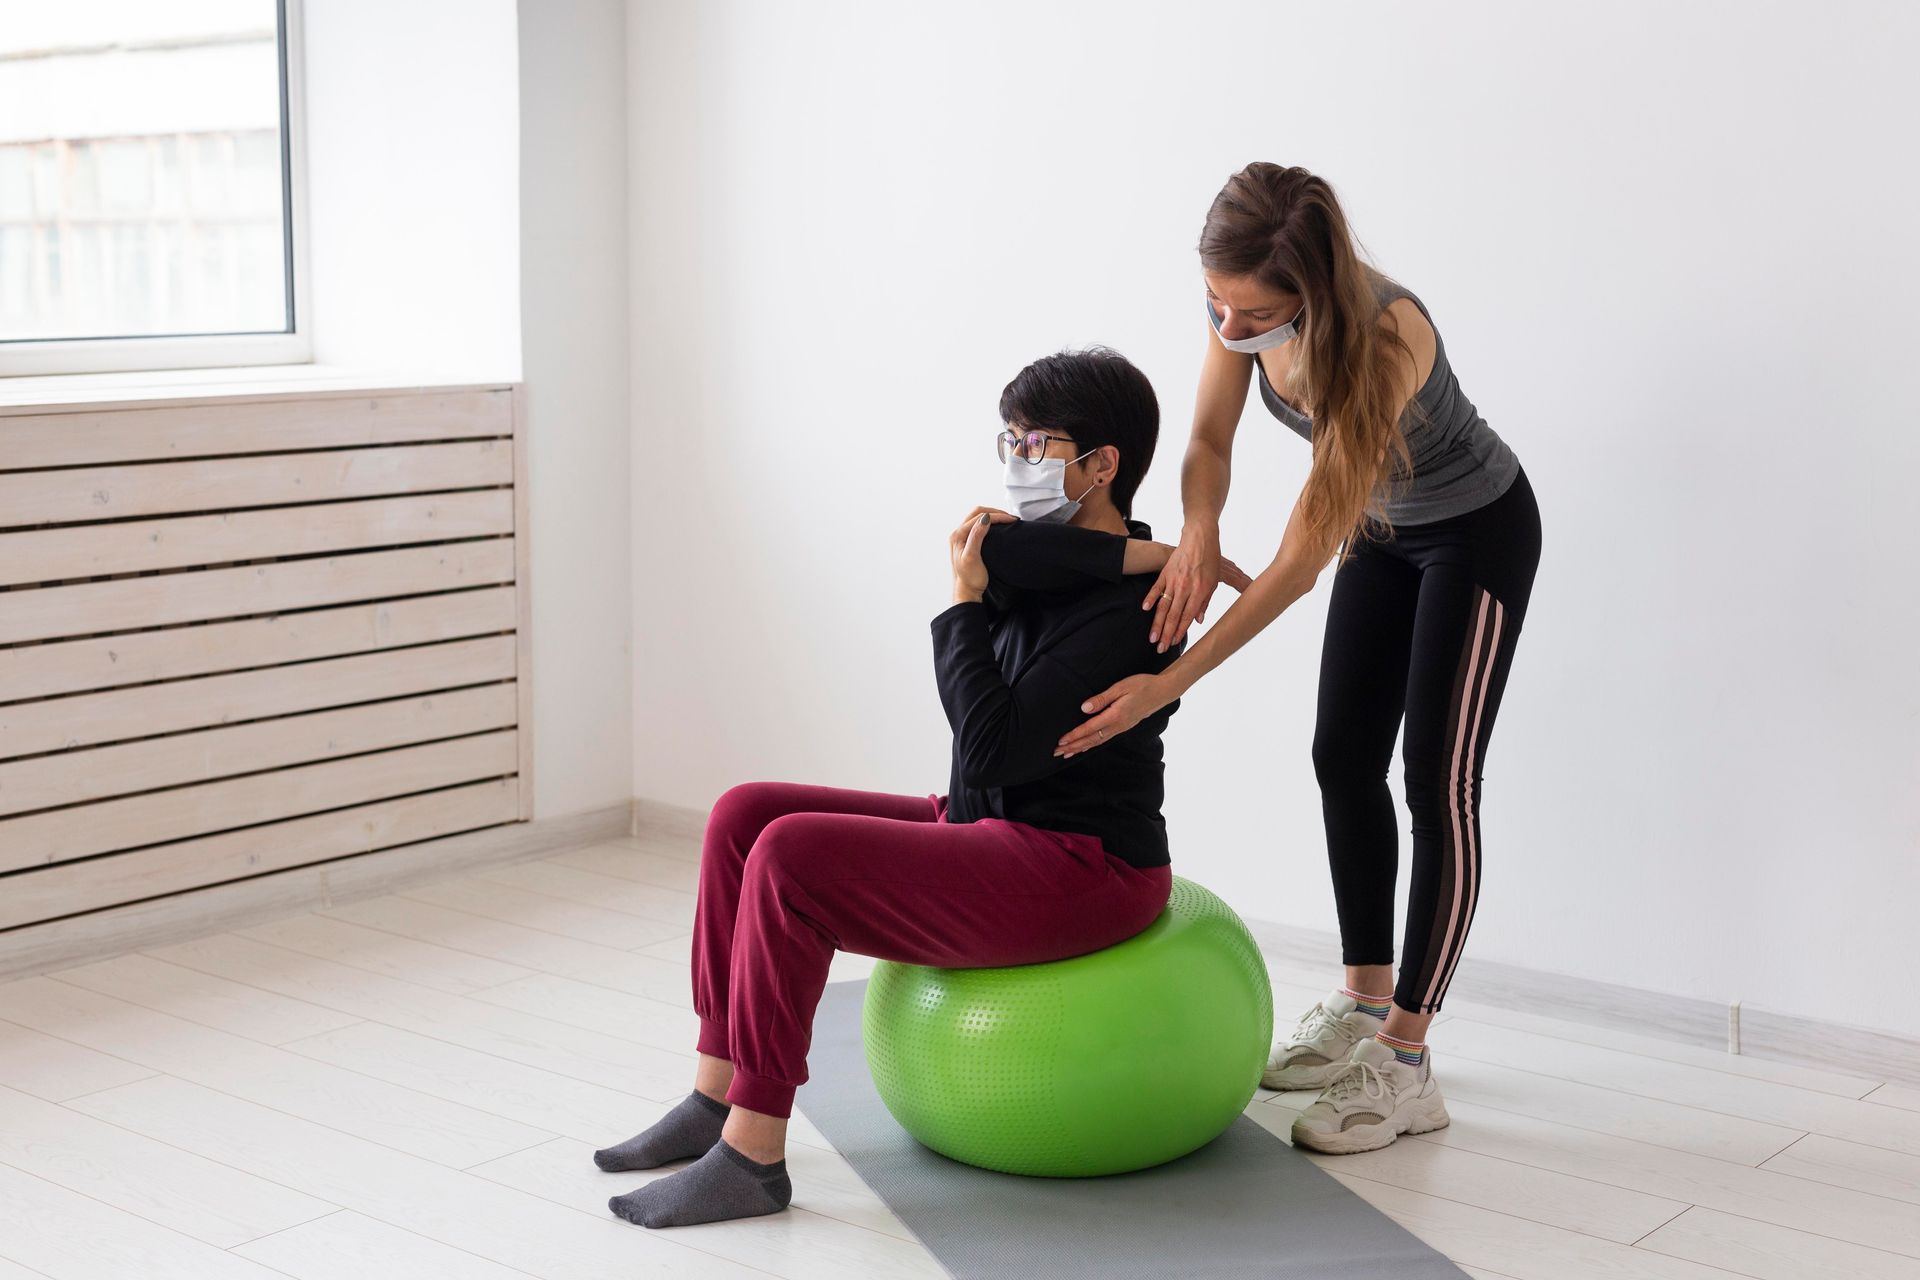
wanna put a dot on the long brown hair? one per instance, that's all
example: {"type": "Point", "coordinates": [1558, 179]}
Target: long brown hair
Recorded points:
{"type": "Point", "coordinates": [1284, 228]}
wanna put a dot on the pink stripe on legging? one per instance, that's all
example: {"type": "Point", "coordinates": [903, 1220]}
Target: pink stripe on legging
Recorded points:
{"type": "Point", "coordinates": [1466, 852]}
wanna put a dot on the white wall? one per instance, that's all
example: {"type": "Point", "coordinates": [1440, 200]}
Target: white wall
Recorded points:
{"type": "Point", "coordinates": [469, 222]}
{"type": "Point", "coordinates": [573, 307]}
{"type": "Point", "coordinates": [1670, 248]}
{"type": "Point", "coordinates": [414, 185]}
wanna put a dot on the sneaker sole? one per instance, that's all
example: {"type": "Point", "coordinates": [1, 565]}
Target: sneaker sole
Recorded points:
{"type": "Point", "coordinates": [1422, 1117]}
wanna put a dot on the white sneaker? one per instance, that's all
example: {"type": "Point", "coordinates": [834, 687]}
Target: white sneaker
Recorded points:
{"type": "Point", "coordinates": [1310, 1055]}
{"type": "Point", "coordinates": [1373, 1099]}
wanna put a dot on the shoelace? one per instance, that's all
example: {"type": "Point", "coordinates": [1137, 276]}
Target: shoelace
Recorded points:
{"type": "Point", "coordinates": [1308, 1028]}
{"type": "Point", "coordinates": [1345, 1080]}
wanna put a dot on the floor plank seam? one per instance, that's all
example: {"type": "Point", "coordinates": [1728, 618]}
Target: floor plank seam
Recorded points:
{"type": "Point", "coordinates": [1644, 1234]}
{"type": "Point", "coordinates": [1694, 1106]}
{"type": "Point", "coordinates": [245, 1173]}
{"type": "Point", "coordinates": [1817, 1235]}
{"type": "Point", "coordinates": [151, 1074]}
{"type": "Point", "coordinates": [571, 902]}
{"type": "Point", "coordinates": [1518, 1217]}
{"type": "Point", "coordinates": [265, 1106]}
{"type": "Point", "coordinates": [86, 1047]}
{"type": "Point", "coordinates": [1561, 1173]}
{"type": "Point", "coordinates": [1837, 1186]}
{"type": "Point", "coordinates": [455, 1044]}
{"type": "Point", "coordinates": [1762, 1163]}
{"type": "Point", "coordinates": [519, 924]}
{"type": "Point", "coordinates": [1700, 1066]}
{"type": "Point", "coordinates": [1567, 1124]}
{"type": "Point", "coordinates": [560, 897]}
{"type": "Point", "coordinates": [336, 1211]}
{"type": "Point", "coordinates": [210, 1026]}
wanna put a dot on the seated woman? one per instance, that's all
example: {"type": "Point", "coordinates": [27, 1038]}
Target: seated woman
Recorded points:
{"type": "Point", "coordinates": [1029, 856]}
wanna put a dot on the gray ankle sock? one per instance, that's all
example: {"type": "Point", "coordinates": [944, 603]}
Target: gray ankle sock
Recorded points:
{"type": "Point", "coordinates": [683, 1133]}
{"type": "Point", "coordinates": [719, 1185]}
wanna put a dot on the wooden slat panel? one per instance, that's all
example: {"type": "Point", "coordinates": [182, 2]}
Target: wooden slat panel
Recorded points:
{"type": "Point", "coordinates": [72, 666]}
{"type": "Point", "coordinates": [218, 484]}
{"type": "Point", "coordinates": [163, 599]}
{"type": "Point", "coordinates": [135, 546]}
{"type": "Point", "coordinates": [523, 574]}
{"type": "Point", "coordinates": [47, 892]}
{"type": "Point", "coordinates": [60, 724]}
{"type": "Point", "coordinates": [221, 660]}
{"type": "Point", "coordinates": [264, 426]}
{"type": "Point", "coordinates": [74, 777]}
{"type": "Point", "coordinates": [110, 825]}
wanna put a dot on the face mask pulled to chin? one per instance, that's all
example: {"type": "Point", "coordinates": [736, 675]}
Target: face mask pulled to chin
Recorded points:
{"type": "Point", "coordinates": [1258, 342]}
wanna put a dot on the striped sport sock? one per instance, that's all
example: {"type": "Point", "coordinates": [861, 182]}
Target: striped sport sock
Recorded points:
{"type": "Point", "coordinates": [1408, 1051]}
{"type": "Point", "coordinates": [1375, 1005]}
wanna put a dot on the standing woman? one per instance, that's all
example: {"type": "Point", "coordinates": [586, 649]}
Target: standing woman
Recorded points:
{"type": "Point", "coordinates": [1438, 536]}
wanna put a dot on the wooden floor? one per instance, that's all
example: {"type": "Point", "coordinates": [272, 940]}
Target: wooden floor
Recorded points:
{"type": "Point", "coordinates": [413, 1085]}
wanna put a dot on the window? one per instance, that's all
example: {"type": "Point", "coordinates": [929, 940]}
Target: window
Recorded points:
{"type": "Point", "coordinates": [149, 182]}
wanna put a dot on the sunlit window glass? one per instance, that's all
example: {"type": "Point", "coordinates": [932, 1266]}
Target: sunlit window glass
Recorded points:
{"type": "Point", "coordinates": [142, 170]}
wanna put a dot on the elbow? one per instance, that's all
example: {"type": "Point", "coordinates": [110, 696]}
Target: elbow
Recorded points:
{"type": "Point", "coordinates": [1278, 586]}
{"type": "Point", "coordinates": [1297, 584]}
{"type": "Point", "coordinates": [1294, 575]}
{"type": "Point", "coordinates": [1205, 446]}
{"type": "Point", "coordinates": [1206, 462]}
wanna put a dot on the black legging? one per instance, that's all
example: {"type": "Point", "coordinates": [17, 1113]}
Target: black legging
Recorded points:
{"type": "Point", "coordinates": [1424, 624]}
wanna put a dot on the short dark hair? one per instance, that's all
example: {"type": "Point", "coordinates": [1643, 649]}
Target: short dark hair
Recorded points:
{"type": "Point", "coordinates": [1098, 397]}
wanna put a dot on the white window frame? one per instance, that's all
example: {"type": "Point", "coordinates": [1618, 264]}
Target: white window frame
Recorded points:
{"type": "Point", "coordinates": [211, 351]}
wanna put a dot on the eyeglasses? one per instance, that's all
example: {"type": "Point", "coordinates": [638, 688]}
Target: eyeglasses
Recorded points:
{"type": "Point", "coordinates": [1030, 447]}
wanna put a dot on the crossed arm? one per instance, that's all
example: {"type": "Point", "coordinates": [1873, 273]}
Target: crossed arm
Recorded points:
{"type": "Point", "coordinates": [1044, 556]}
{"type": "Point", "coordinates": [1004, 732]}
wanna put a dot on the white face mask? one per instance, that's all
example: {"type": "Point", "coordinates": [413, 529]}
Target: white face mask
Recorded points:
{"type": "Point", "coordinates": [1038, 490]}
{"type": "Point", "coordinates": [1259, 341]}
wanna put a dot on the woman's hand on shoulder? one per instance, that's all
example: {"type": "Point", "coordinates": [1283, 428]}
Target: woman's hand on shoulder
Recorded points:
{"type": "Point", "coordinates": [1179, 596]}
{"type": "Point", "coordinates": [1143, 555]}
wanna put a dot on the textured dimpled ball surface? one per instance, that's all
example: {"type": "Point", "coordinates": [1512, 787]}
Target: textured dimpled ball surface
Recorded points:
{"type": "Point", "coordinates": [1101, 1063]}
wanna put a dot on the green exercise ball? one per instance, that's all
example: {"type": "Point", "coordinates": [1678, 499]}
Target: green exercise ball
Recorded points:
{"type": "Point", "coordinates": [1101, 1063]}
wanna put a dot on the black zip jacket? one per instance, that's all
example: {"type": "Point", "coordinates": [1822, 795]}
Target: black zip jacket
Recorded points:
{"type": "Point", "coordinates": [1060, 623]}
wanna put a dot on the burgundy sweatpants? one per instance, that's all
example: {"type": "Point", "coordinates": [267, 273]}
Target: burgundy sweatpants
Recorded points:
{"type": "Point", "coordinates": [791, 872]}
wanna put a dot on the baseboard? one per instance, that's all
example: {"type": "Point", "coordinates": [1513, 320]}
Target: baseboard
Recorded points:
{"type": "Point", "coordinates": [657, 816]}
{"type": "Point", "coordinates": [59, 944]}
{"type": "Point", "coordinates": [1750, 1032]}
{"type": "Point", "coordinates": [1740, 1028]}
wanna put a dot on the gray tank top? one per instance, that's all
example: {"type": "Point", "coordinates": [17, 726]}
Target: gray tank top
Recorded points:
{"type": "Point", "coordinates": [1459, 463]}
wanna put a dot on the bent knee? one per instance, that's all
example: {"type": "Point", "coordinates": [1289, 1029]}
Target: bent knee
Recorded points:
{"type": "Point", "coordinates": [744, 808]}
{"type": "Point", "coordinates": [785, 844]}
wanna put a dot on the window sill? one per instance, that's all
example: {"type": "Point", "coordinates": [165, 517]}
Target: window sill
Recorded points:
{"type": "Point", "coordinates": [67, 392]}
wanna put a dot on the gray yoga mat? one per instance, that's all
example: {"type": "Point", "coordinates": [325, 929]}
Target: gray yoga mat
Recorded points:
{"type": "Point", "coordinates": [1246, 1204]}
